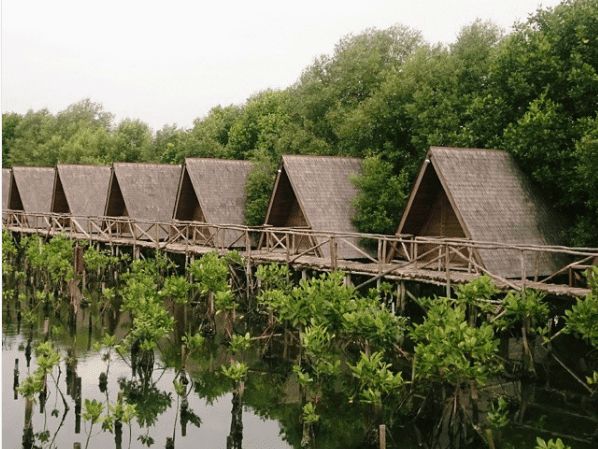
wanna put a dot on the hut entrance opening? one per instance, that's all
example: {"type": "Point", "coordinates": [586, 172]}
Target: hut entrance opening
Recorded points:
{"type": "Point", "coordinates": [59, 203]}
{"type": "Point", "coordinates": [116, 206]}
{"type": "Point", "coordinates": [15, 202]}
{"type": "Point", "coordinates": [431, 214]}
{"type": "Point", "coordinates": [189, 209]}
{"type": "Point", "coordinates": [286, 212]}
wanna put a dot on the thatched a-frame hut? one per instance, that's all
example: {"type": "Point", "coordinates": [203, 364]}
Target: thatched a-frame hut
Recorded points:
{"type": "Point", "coordinates": [80, 190]}
{"type": "Point", "coordinates": [316, 192]}
{"type": "Point", "coordinates": [143, 192]}
{"type": "Point", "coordinates": [6, 181]}
{"type": "Point", "coordinates": [482, 195]}
{"type": "Point", "coordinates": [31, 191]}
{"type": "Point", "coordinates": [213, 191]}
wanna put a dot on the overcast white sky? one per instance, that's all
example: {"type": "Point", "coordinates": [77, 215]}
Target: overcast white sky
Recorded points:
{"type": "Point", "coordinates": [171, 61]}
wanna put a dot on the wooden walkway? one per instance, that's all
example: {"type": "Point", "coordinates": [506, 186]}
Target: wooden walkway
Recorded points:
{"type": "Point", "coordinates": [442, 262]}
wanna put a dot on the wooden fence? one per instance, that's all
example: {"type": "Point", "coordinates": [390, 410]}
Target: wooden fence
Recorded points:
{"type": "Point", "coordinates": [375, 254]}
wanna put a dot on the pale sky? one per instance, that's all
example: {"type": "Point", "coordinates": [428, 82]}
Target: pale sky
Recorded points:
{"type": "Point", "coordinates": [171, 61]}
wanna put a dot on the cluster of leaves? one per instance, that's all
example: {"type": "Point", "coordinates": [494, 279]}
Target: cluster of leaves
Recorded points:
{"type": "Point", "coordinates": [388, 94]}
{"type": "Point", "coordinates": [582, 318]}
{"type": "Point", "coordinates": [150, 320]}
{"type": "Point", "coordinates": [9, 252]}
{"type": "Point", "coordinates": [449, 349]}
{"type": "Point", "coordinates": [52, 260]}
{"type": "Point", "coordinates": [47, 359]}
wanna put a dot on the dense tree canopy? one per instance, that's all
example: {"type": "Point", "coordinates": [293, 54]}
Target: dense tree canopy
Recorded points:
{"type": "Point", "coordinates": [388, 95]}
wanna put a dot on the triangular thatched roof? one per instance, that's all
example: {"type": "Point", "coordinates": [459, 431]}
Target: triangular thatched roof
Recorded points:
{"type": "Point", "coordinates": [31, 189]}
{"type": "Point", "coordinates": [143, 191]}
{"type": "Point", "coordinates": [316, 192]}
{"type": "Point", "coordinates": [213, 191]}
{"type": "Point", "coordinates": [485, 197]}
{"type": "Point", "coordinates": [219, 189]}
{"type": "Point", "coordinates": [6, 181]}
{"type": "Point", "coordinates": [81, 189]}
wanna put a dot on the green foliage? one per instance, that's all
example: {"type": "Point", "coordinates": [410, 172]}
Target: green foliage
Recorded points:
{"type": "Point", "coordinates": [236, 371]}
{"type": "Point", "coordinates": [498, 415]}
{"type": "Point", "coordinates": [194, 342]}
{"type": "Point", "coordinates": [550, 444]}
{"type": "Point", "coordinates": [449, 349]}
{"type": "Point", "coordinates": [376, 380]}
{"type": "Point", "coordinates": [240, 343]}
{"type": "Point", "coordinates": [210, 273]}
{"type": "Point", "coordinates": [47, 359]}
{"type": "Point", "coordinates": [9, 251]}
{"type": "Point", "coordinates": [93, 410]}
{"type": "Point", "coordinates": [53, 260]}
{"type": "Point", "coordinates": [151, 321]}
{"type": "Point", "coordinates": [258, 189]}
{"type": "Point", "coordinates": [309, 415]}
{"type": "Point", "coordinates": [274, 277]}
{"type": "Point", "coordinates": [176, 288]}
{"type": "Point", "coordinates": [98, 260]}
{"type": "Point", "coordinates": [372, 323]}
{"type": "Point", "coordinates": [381, 196]}
{"type": "Point", "coordinates": [526, 306]}
{"type": "Point", "coordinates": [582, 318]}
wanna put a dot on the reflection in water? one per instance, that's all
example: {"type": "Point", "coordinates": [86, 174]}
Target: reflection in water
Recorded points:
{"type": "Point", "coordinates": [267, 414]}
{"type": "Point", "coordinates": [234, 440]}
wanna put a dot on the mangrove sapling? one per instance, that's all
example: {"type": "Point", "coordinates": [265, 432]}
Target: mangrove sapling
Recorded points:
{"type": "Point", "coordinates": [528, 310]}
{"type": "Point", "coordinates": [93, 414]}
{"type": "Point", "coordinates": [191, 344]}
{"type": "Point", "coordinates": [309, 418]}
{"type": "Point", "coordinates": [225, 303]}
{"type": "Point", "coordinates": [497, 418]}
{"type": "Point", "coordinates": [210, 275]}
{"type": "Point", "coordinates": [450, 353]}
{"type": "Point", "coordinates": [120, 413]}
{"type": "Point", "coordinates": [582, 318]}
{"type": "Point", "coordinates": [477, 296]}
{"type": "Point", "coordinates": [377, 384]}
{"type": "Point", "coordinates": [371, 325]}
{"type": "Point", "coordinates": [177, 289]}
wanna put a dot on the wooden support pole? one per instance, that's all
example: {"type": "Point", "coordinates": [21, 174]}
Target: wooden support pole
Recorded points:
{"type": "Point", "coordinates": [402, 297]}
{"type": "Point", "coordinates": [382, 436]}
{"type": "Point", "coordinates": [447, 263]}
{"type": "Point", "coordinates": [347, 280]}
{"type": "Point", "coordinates": [333, 255]}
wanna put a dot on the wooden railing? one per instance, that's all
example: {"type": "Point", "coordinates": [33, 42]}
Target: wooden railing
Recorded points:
{"type": "Point", "coordinates": [380, 254]}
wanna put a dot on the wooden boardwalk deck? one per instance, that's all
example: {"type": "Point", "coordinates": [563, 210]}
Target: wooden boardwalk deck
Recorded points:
{"type": "Point", "coordinates": [266, 245]}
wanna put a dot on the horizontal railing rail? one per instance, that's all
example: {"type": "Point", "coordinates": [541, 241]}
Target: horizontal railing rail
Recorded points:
{"type": "Point", "coordinates": [386, 253]}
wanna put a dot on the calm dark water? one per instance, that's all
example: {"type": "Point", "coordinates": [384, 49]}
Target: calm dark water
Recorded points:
{"type": "Point", "coordinates": [268, 417]}
{"type": "Point", "coordinates": [215, 414]}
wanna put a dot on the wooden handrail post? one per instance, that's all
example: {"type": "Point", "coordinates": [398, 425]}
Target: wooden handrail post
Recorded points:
{"type": "Point", "coordinates": [523, 273]}
{"type": "Point", "coordinates": [333, 251]}
{"type": "Point", "coordinates": [447, 260]}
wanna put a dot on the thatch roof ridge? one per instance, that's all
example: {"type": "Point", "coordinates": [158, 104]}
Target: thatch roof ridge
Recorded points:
{"type": "Point", "coordinates": [238, 161]}
{"type": "Point", "coordinates": [85, 187]}
{"type": "Point", "coordinates": [219, 185]}
{"type": "Point", "coordinates": [434, 149]}
{"type": "Point", "coordinates": [35, 185]}
{"type": "Point", "coordinates": [319, 156]}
